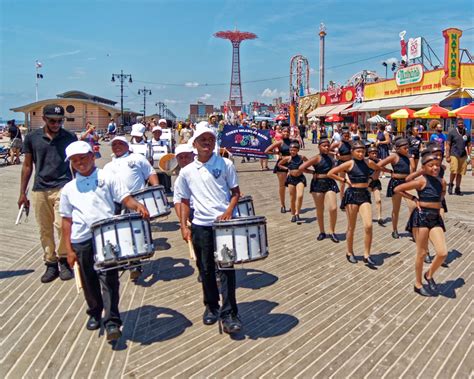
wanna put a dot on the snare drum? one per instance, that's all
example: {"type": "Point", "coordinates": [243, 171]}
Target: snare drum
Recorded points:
{"type": "Point", "coordinates": [245, 207]}
{"type": "Point", "coordinates": [154, 199]}
{"type": "Point", "coordinates": [240, 240]}
{"type": "Point", "coordinates": [120, 241]}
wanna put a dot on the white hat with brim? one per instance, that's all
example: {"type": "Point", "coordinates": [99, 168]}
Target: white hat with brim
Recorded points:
{"type": "Point", "coordinates": [162, 120]}
{"type": "Point", "coordinates": [119, 138]}
{"type": "Point", "coordinates": [136, 133]}
{"type": "Point", "coordinates": [200, 131]}
{"type": "Point", "coordinates": [156, 128]}
{"type": "Point", "coordinates": [76, 148]}
{"type": "Point", "coordinates": [183, 148]}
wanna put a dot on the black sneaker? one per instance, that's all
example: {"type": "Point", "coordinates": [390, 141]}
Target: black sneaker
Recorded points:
{"type": "Point", "coordinates": [458, 192]}
{"type": "Point", "coordinates": [450, 188]}
{"type": "Point", "coordinates": [65, 272]}
{"type": "Point", "coordinates": [293, 218]}
{"type": "Point", "coordinates": [113, 332]}
{"type": "Point", "coordinates": [321, 236]}
{"type": "Point", "coordinates": [210, 316]}
{"type": "Point", "coordinates": [282, 210]}
{"type": "Point", "coordinates": [427, 259]}
{"type": "Point", "coordinates": [381, 222]}
{"type": "Point", "coordinates": [395, 235]}
{"type": "Point", "coordinates": [231, 324]}
{"type": "Point", "coordinates": [334, 238]}
{"type": "Point", "coordinates": [52, 272]}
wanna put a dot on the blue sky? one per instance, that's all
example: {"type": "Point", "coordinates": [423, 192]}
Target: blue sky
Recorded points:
{"type": "Point", "coordinates": [166, 44]}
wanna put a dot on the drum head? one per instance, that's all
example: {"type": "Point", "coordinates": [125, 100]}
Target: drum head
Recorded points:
{"type": "Point", "coordinates": [148, 189]}
{"type": "Point", "coordinates": [245, 199]}
{"type": "Point", "coordinates": [114, 219]}
{"type": "Point", "coordinates": [241, 221]}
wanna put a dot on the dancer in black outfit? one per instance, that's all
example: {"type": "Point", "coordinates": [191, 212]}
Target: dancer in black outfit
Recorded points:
{"type": "Point", "coordinates": [401, 168]}
{"type": "Point", "coordinates": [295, 180]}
{"type": "Point", "coordinates": [357, 198]}
{"type": "Point", "coordinates": [426, 222]}
{"type": "Point", "coordinates": [375, 186]}
{"type": "Point", "coordinates": [342, 149]}
{"type": "Point", "coordinates": [323, 189]}
{"type": "Point", "coordinates": [282, 148]}
{"type": "Point", "coordinates": [415, 142]}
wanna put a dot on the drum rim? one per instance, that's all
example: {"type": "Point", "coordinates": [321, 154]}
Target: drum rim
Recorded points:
{"type": "Point", "coordinates": [241, 221]}
{"type": "Point", "coordinates": [124, 217]}
{"type": "Point", "coordinates": [147, 189]}
{"type": "Point", "coordinates": [245, 198]}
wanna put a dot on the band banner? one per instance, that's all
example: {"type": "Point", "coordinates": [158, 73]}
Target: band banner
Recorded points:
{"type": "Point", "coordinates": [245, 142]}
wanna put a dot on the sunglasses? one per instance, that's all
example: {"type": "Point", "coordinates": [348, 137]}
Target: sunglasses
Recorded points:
{"type": "Point", "coordinates": [55, 120]}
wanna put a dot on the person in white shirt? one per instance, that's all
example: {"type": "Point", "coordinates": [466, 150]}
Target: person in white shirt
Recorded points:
{"type": "Point", "coordinates": [184, 155]}
{"type": "Point", "coordinates": [133, 169]}
{"type": "Point", "coordinates": [139, 126]}
{"type": "Point", "coordinates": [85, 200]}
{"type": "Point", "coordinates": [159, 148]}
{"type": "Point", "coordinates": [210, 181]}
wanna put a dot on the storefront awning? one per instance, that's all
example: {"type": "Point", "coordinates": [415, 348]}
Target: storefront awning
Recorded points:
{"type": "Point", "coordinates": [355, 108]}
{"type": "Point", "coordinates": [321, 111]}
{"type": "Point", "coordinates": [416, 101]}
{"type": "Point", "coordinates": [422, 101]}
{"type": "Point", "coordinates": [328, 110]}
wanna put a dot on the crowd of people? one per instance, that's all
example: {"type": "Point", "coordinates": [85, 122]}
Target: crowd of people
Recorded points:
{"type": "Point", "coordinates": [70, 194]}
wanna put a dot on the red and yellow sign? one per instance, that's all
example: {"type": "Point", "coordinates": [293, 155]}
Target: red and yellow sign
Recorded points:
{"type": "Point", "coordinates": [338, 95]}
{"type": "Point", "coordinates": [452, 66]}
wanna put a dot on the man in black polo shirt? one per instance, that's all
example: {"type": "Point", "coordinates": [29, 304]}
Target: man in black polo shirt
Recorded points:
{"type": "Point", "coordinates": [458, 146]}
{"type": "Point", "coordinates": [44, 149]}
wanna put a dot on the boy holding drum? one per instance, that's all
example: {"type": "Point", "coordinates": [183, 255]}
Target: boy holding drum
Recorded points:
{"type": "Point", "coordinates": [211, 182]}
{"type": "Point", "coordinates": [85, 200]}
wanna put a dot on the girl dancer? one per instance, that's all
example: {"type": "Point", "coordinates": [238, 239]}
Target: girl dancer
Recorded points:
{"type": "Point", "coordinates": [282, 148]}
{"type": "Point", "coordinates": [415, 142]}
{"type": "Point", "coordinates": [401, 168]}
{"type": "Point", "coordinates": [323, 189]}
{"type": "Point", "coordinates": [357, 198]}
{"type": "Point", "coordinates": [342, 149]}
{"type": "Point", "coordinates": [375, 186]}
{"type": "Point", "coordinates": [295, 180]}
{"type": "Point", "coordinates": [426, 222]}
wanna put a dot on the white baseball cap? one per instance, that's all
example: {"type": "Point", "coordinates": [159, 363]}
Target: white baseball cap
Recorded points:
{"type": "Point", "coordinates": [200, 131]}
{"type": "Point", "coordinates": [136, 133]}
{"type": "Point", "coordinates": [155, 128]}
{"type": "Point", "coordinates": [78, 147]}
{"type": "Point", "coordinates": [202, 124]}
{"type": "Point", "coordinates": [119, 138]}
{"type": "Point", "coordinates": [162, 120]}
{"type": "Point", "coordinates": [183, 148]}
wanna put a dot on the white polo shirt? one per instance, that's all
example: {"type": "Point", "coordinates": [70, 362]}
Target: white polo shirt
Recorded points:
{"type": "Point", "coordinates": [88, 199]}
{"type": "Point", "coordinates": [132, 169]}
{"type": "Point", "coordinates": [208, 186]}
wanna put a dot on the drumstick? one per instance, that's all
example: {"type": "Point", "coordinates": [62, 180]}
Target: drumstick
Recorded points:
{"type": "Point", "coordinates": [77, 277]}
{"type": "Point", "coordinates": [191, 250]}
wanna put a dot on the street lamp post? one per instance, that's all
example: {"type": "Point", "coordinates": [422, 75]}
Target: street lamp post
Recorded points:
{"type": "Point", "coordinates": [386, 67]}
{"type": "Point", "coordinates": [144, 92]}
{"type": "Point", "coordinates": [122, 77]}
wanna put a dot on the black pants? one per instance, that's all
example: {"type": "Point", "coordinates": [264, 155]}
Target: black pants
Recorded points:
{"type": "Point", "coordinates": [203, 243]}
{"type": "Point", "coordinates": [165, 181]}
{"type": "Point", "coordinates": [92, 281]}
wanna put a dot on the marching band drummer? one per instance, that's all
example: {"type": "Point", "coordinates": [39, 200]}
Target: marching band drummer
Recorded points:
{"type": "Point", "coordinates": [85, 200]}
{"type": "Point", "coordinates": [210, 181]}
{"type": "Point", "coordinates": [157, 145]}
{"type": "Point", "coordinates": [134, 170]}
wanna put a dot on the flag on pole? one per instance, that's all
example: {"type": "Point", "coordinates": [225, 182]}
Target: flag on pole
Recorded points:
{"type": "Point", "coordinates": [38, 64]}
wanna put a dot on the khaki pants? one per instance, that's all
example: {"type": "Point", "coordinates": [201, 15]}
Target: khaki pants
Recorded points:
{"type": "Point", "coordinates": [46, 206]}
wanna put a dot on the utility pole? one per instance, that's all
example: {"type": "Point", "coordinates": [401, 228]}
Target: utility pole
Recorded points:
{"type": "Point", "coordinates": [144, 92]}
{"type": "Point", "coordinates": [122, 77]}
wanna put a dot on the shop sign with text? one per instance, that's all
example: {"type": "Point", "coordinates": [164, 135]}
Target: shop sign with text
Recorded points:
{"type": "Point", "coordinates": [452, 70]}
{"type": "Point", "coordinates": [409, 75]}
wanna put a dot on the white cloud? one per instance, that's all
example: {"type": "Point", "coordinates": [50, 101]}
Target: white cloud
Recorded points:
{"type": "Point", "coordinates": [205, 97]}
{"type": "Point", "coordinates": [267, 92]}
{"type": "Point", "coordinates": [191, 84]}
{"type": "Point", "coordinates": [57, 55]}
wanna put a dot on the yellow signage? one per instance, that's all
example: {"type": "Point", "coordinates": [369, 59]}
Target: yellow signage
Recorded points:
{"type": "Point", "coordinates": [452, 74]}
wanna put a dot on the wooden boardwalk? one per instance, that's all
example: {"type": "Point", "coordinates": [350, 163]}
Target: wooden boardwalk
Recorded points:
{"type": "Point", "coordinates": [306, 311]}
